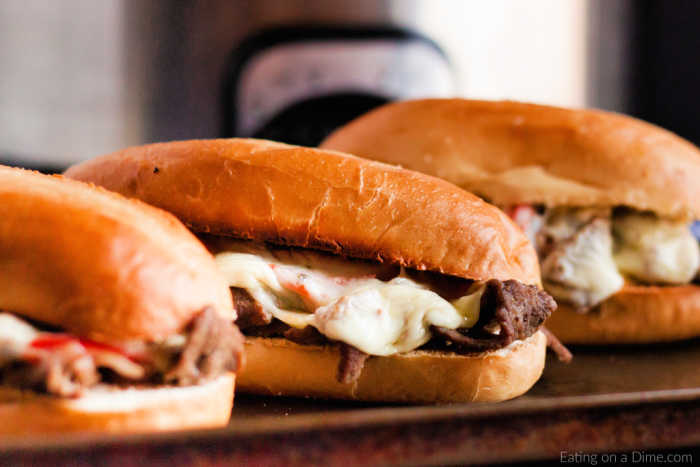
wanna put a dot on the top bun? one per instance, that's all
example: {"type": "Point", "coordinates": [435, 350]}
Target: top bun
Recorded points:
{"type": "Point", "coordinates": [319, 199]}
{"type": "Point", "coordinates": [99, 265]}
{"type": "Point", "coordinates": [511, 153]}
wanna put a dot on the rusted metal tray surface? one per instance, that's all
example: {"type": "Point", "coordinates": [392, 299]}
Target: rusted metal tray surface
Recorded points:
{"type": "Point", "coordinates": [606, 400]}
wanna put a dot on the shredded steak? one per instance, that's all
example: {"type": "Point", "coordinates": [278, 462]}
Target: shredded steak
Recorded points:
{"type": "Point", "coordinates": [64, 371]}
{"type": "Point", "coordinates": [250, 313]}
{"type": "Point", "coordinates": [557, 347]}
{"type": "Point", "coordinates": [276, 328]}
{"type": "Point", "coordinates": [352, 360]}
{"type": "Point", "coordinates": [514, 309]}
{"type": "Point", "coordinates": [214, 346]}
{"type": "Point", "coordinates": [307, 336]}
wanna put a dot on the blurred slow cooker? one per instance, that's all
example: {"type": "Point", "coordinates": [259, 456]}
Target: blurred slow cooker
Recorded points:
{"type": "Point", "coordinates": [80, 78]}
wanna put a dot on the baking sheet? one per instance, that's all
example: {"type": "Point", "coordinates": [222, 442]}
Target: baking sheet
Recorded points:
{"type": "Point", "coordinates": [596, 375]}
{"type": "Point", "coordinates": [652, 385]}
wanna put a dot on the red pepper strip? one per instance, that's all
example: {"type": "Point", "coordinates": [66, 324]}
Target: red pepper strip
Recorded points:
{"type": "Point", "coordinates": [51, 341]}
{"type": "Point", "coordinates": [299, 289]}
{"type": "Point", "coordinates": [46, 342]}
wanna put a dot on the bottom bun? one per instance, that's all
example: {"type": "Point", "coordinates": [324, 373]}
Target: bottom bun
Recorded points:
{"type": "Point", "coordinates": [109, 410]}
{"type": "Point", "coordinates": [634, 315]}
{"type": "Point", "coordinates": [283, 368]}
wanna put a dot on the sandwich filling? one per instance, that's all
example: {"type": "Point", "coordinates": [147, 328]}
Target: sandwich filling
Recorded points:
{"type": "Point", "coordinates": [44, 359]}
{"type": "Point", "coordinates": [372, 308]}
{"type": "Point", "coordinates": [588, 254]}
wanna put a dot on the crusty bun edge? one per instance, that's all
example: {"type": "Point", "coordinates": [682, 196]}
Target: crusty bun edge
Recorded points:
{"type": "Point", "coordinates": [98, 265]}
{"type": "Point", "coordinates": [513, 152]}
{"type": "Point", "coordinates": [279, 367]}
{"type": "Point", "coordinates": [635, 315]}
{"type": "Point", "coordinates": [108, 410]}
{"type": "Point", "coordinates": [325, 200]}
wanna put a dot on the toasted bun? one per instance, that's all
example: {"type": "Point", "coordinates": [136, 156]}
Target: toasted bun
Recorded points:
{"type": "Point", "coordinates": [634, 315]}
{"type": "Point", "coordinates": [118, 410]}
{"type": "Point", "coordinates": [511, 152]}
{"type": "Point", "coordinates": [418, 376]}
{"type": "Point", "coordinates": [99, 265]}
{"type": "Point", "coordinates": [306, 197]}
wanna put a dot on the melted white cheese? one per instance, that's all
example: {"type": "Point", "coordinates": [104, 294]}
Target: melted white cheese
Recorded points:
{"type": "Point", "coordinates": [384, 318]}
{"type": "Point", "coordinates": [655, 250]}
{"type": "Point", "coordinates": [582, 270]}
{"type": "Point", "coordinates": [379, 318]}
{"type": "Point", "coordinates": [15, 337]}
{"type": "Point", "coordinates": [588, 260]}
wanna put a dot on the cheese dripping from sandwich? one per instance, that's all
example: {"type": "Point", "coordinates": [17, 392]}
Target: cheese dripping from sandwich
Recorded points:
{"type": "Point", "coordinates": [344, 300]}
{"type": "Point", "coordinates": [587, 254]}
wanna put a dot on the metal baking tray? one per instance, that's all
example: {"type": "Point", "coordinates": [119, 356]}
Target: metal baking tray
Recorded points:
{"type": "Point", "coordinates": [606, 400]}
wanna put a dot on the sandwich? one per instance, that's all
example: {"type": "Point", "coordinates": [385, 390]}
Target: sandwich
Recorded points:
{"type": "Point", "coordinates": [352, 279]}
{"type": "Point", "coordinates": [607, 200]}
{"type": "Point", "coordinates": [113, 317]}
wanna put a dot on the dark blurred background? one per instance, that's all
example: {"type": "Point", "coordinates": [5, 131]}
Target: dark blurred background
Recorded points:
{"type": "Point", "coordinates": [79, 78]}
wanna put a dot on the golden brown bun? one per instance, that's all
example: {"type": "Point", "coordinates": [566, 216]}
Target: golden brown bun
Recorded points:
{"type": "Point", "coordinates": [418, 376]}
{"type": "Point", "coordinates": [320, 199]}
{"type": "Point", "coordinates": [99, 265]}
{"type": "Point", "coordinates": [636, 314]}
{"type": "Point", "coordinates": [118, 410]}
{"type": "Point", "coordinates": [511, 152]}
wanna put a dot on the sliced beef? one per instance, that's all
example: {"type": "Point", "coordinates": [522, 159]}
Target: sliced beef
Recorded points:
{"type": "Point", "coordinates": [214, 346]}
{"type": "Point", "coordinates": [461, 342]}
{"type": "Point", "coordinates": [352, 360]}
{"type": "Point", "coordinates": [307, 336]}
{"type": "Point", "coordinates": [448, 287]}
{"type": "Point", "coordinates": [250, 313]}
{"type": "Point", "coordinates": [557, 347]}
{"type": "Point", "coordinates": [64, 371]}
{"type": "Point", "coordinates": [509, 311]}
{"type": "Point", "coordinates": [276, 328]}
{"type": "Point", "coordinates": [69, 370]}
